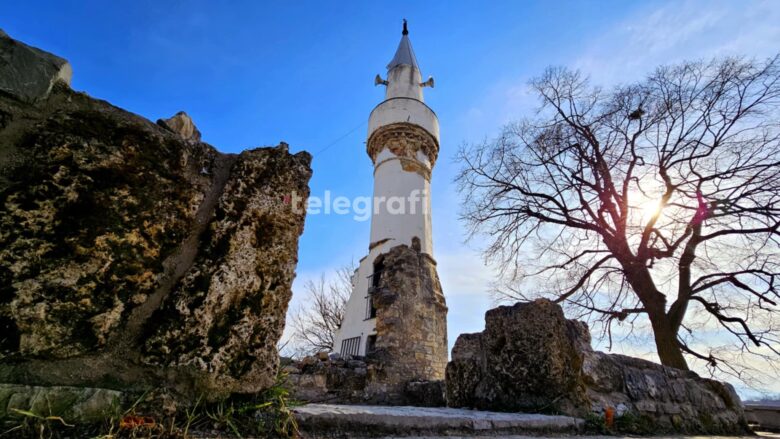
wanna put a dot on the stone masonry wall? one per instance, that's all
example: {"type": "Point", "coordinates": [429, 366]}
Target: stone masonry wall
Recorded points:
{"type": "Point", "coordinates": [410, 357]}
{"type": "Point", "coordinates": [411, 319]}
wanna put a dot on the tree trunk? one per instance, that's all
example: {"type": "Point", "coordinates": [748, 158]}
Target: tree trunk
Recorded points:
{"type": "Point", "coordinates": [669, 351]}
{"type": "Point", "coordinates": [665, 332]}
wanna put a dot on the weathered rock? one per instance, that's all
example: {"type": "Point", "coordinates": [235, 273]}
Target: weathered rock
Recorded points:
{"type": "Point", "coordinates": [290, 369]}
{"type": "Point", "coordinates": [94, 200]}
{"type": "Point", "coordinates": [73, 404]}
{"type": "Point", "coordinates": [28, 73]}
{"type": "Point", "coordinates": [425, 393]}
{"type": "Point", "coordinates": [671, 398]}
{"type": "Point", "coordinates": [355, 364]}
{"type": "Point", "coordinates": [131, 258]}
{"type": "Point", "coordinates": [228, 311]}
{"type": "Point", "coordinates": [525, 360]}
{"type": "Point", "coordinates": [181, 124]}
{"type": "Point", "coordinates": [530, 358]}
{"type": "Point", "coordinates": [410, 355]}
{"type": "Point", "coordinates": [339, 381]}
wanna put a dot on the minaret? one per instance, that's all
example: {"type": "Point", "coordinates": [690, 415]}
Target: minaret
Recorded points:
{"type": "Point", "coordinates": [403, 143]}
{"type": "Point", "coordinates": [396, 298]}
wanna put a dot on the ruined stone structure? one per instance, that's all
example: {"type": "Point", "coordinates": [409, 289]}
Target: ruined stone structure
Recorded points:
{"type": "Point", "coordinates": [133, 256]}
{"type": "Point", "coordinates": [530, 358]}
{"type": "Point", "coordinates": [397, 313]}
{"type": "Point", "coordinates": [408, 361]}
{"type": "Point", "coordinates": [411, 324]}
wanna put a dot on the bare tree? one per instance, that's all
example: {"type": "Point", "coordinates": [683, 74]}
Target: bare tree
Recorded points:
{"type": "Point", "coordinates": [316, 321]}
{"type": "Point", "coordinates": [658, 200]}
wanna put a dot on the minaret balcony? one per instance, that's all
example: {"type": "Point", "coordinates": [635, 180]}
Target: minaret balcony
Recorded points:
{"type": "Point", "coordinates": [404, 110]}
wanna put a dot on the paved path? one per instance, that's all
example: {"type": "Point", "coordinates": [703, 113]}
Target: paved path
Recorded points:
{"type": "Point", "coordinates": [323, 420]}
{"type": "Point", "coordinates": [360, 421]}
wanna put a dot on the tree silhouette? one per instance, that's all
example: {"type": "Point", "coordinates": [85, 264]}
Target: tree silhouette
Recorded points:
{"type": "Point", "coordinates": [315, 323]}
{"type": "Point", "coordinates": [659, 199]}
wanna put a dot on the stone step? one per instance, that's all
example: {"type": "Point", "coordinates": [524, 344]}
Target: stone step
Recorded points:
{"type": "Point", "coordinates": [330, 420]}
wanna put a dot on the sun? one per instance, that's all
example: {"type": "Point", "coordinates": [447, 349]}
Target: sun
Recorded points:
{"type": "Point", "coordinates": [648, 209]}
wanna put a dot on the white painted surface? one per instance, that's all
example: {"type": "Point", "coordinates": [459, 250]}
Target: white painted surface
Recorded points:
{"type": "Point", "coordinates": [396, 191]}
{"type": "Point", "coordinates": [402, 203]}
{"type": "Point", "coordinates": [355, 323]}
{"type": "Point", "coordinates": [404, 81]}
{"type": "Point", "coordinates": [397, 110]}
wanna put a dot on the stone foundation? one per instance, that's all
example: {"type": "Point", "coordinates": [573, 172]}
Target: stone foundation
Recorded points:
{"type": "Point", "coordinates": [355, 381]}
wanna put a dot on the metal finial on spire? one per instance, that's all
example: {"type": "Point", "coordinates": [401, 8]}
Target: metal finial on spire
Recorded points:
{"type": "Point", "coordinates": [404, 54]}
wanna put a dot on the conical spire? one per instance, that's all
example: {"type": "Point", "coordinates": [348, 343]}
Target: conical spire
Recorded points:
{"type": "Point", "coordinates": [405, 53]}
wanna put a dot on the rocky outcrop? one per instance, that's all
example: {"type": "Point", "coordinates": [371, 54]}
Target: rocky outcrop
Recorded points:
{"type": "Point", "coordinates": [228, 311]}
{"type": "Point", "coordinates": [134, 257]}
{"type": "Point", "coordinates": [181, 124]}
{"type": "Point", "coordinates": [29, 73]}
{"type": "Point", "coordinates": [530, 358]}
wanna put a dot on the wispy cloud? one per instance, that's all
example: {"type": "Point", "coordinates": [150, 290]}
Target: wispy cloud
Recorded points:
{"type": "Point", "coordinates": [679, 31]}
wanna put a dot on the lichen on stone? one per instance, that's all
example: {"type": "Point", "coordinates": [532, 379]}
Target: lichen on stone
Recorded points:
{"type": "Point", "coordinates": [133, 257]}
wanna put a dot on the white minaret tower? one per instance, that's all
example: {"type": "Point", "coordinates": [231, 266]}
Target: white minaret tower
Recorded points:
{"type": "Point", "coordinates": [403, 143]}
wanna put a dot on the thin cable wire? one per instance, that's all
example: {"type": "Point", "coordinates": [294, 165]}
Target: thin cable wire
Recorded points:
{"type": "Point", "coordinates": [342, 137]}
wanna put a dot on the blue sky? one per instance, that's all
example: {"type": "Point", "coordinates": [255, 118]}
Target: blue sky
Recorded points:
{"type": "Point", "coordinates": [252, 74]}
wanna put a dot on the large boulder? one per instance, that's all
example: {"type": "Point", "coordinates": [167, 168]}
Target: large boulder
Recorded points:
{"type": "Point", "coordinates": [525, 360]}
{"type": "Point", "coordinates": [134, 258]}
{"type": "Point", "coordinates": [181, 123]}
{"type": "Point", "coordinates": [531, 358]}
{"type": "Point", "coordinates": [28, 73]}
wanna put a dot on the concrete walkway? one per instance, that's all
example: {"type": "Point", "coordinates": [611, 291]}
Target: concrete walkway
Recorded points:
{"type": "Point", "coordinates": [361, 421]}
{"type": "Point", "coordinates": [328, 420]}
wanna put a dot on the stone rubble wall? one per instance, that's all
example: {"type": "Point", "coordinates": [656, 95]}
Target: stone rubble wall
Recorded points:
{"type": "Point", "coordinates": [411, 317]}
{"type": "Point", "coordinates": [353, 380]}
{"type": "Point", "coordinates": [531, 358]}
{"type": "Point", "coordinates": [410, 356]}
